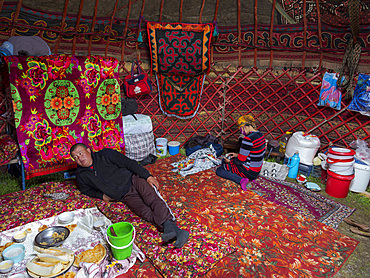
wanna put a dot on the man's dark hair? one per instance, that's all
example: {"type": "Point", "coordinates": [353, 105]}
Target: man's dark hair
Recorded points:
{"type": "Point", "coordinates": [75, 146]}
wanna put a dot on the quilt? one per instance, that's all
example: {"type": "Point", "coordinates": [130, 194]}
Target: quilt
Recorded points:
{"type": "Point", "coordinates": [60, 100]}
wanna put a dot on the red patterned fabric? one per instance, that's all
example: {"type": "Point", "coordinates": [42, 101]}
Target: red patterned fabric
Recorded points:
{"type": "Point", "coordinates": [61, 100]}
{"type": "Point", "coordinates": [8, 148]}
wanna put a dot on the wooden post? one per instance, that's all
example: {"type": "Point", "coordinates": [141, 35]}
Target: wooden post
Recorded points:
{"type": "Point", "coordinates": [110, 26]}
{"type": "Point", "coordinates": [93, 26]}
{"type": "Point", "coordinates": [76, 27]}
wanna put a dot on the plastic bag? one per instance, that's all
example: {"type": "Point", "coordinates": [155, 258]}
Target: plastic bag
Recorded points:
{"type": "Point", "coordinates": [362, 150]}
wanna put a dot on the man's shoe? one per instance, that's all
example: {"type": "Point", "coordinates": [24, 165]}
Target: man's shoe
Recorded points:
{"type": "Point", "coordinates": [169, 230]}
{"type": "Point", "coordinates": [181, 237]}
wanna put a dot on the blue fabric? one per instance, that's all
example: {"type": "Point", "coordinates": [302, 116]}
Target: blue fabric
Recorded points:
{"type": "Point", "coordinates": [361, 95]}
{"type": "Point", "coordinates": [330, 95]}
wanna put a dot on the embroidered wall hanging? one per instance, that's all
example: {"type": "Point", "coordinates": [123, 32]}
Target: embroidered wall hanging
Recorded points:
{"type": "Point", "coordinates": [180, 55]}
{"type": "Point", "coordinates": [61, 100]}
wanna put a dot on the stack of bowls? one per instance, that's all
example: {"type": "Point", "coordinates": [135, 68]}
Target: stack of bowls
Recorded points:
{"type": "Point", "coordinates": [66, 218]}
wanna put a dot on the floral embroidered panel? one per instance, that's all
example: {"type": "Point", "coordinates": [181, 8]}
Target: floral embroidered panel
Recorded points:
{"type": "Point", "coordinates": [60, 100]}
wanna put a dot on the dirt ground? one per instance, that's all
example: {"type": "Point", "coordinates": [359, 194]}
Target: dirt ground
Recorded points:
{"type": "Point", "coordinates": [357, 264]}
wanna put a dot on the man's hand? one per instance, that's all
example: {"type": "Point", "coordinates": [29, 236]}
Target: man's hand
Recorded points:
{"type": "Point", "coordinates": [108, 199]}
{"type": "Point", "coordinates": [153, 181]}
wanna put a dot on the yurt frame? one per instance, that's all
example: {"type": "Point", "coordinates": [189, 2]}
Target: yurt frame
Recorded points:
{"type": "Point", "coordinates": [269, 82]}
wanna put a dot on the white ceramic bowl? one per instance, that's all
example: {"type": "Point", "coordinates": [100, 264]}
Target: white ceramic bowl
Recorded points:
{"type": "Point", "coordinates": [66, 217]}
{"type": "Point", "coordinates": [99, 224]}
{"type": "Point", "coordinates": [6, 266]}
{"type": "Point", "coordinates": [20, 237]}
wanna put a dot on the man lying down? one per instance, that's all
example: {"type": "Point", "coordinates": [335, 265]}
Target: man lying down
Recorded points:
{"type": "Point", "coordinates": [111, 176]}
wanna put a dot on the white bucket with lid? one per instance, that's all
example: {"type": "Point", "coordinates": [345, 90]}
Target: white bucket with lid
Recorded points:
{"type": "Point", "coordinates": [161, 144]}
{"type": "Point", "coordinates": [361, 179]}
{"type": "Point", "coordinates": [341, 167]}
{"type": "Point", "coordinates": [306, 144]}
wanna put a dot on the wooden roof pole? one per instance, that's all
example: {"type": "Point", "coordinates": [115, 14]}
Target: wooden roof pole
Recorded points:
{"type": "Point", "coordinates": [93, 26]}
{"type": "Point", "coordinates": [255, 33]}
{"type": "Point", "coordinates": [76, 27]}
{"type": "Point", "coordinates": [239, 36]}
{"type": "Point", "coordinates": [110, 27]}
{"type": "Point", "coordinates": [139, 30]}
{"type": "Point", "coordinates": [271, 32]}
{"type": "Point", "coordinates": [181, 3]}
{"type": "Point", "coordinates": [161, 11]}
{"type": "Point", "coordinates": [214, 21]}
{"type": "Point", "coordinates": [62, 26]}
{"type": "Point", "coordinates": [15, 18]}
{"type": "Point", "coordinates": [125, 31]}
{"type": "Point", "coordinates": [201, 11]}
{"type": "Point", "coordinates": [304, 35]}
{"type": "Point", "coordinates": [320, 35]}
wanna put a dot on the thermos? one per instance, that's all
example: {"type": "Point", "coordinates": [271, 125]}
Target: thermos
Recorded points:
{"type": "Point", "coordinates": [293, 164]}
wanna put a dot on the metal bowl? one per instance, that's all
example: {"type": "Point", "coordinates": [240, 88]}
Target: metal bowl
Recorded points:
{"type": "Point", "coordinates": [51, 237]}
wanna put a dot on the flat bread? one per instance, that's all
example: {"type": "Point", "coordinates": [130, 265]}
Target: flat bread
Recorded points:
{"type": "Point", "coordinates": [95, 255]}
{"type": "Point", "coordinates": [2, 248]}
{"type": "Point", "coordinates": [69, 274]}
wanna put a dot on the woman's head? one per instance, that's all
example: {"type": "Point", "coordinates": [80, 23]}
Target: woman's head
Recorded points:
{"type": "Point", "coordinates": [246, 120]}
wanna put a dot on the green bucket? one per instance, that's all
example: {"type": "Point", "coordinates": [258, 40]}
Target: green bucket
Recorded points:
{"type": "Point", "coordinates": [121, 244]}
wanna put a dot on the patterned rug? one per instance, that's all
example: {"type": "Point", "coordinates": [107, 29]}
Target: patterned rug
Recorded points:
{"type": "Point", "coordinates": [302, 200]}
{"type": "Point", "coordinates": [60, 100]}
{"type": "Point", "coordinates": [202, 251]}
{"type": "Point", "coordinates": [270, 240]}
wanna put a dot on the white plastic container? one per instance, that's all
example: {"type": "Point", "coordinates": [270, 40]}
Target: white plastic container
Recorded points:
{"type": "Point", "coordinates": [306, 144]}
{"type": "Point", "coordinates": [361, 179]}
{"type": "Point", "coordinates": [161, 144]}
{"type": "Point", "coordinates": [341, 167]}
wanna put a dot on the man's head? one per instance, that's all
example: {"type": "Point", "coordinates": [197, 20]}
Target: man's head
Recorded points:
{"type": "Point", "coordinates": [81, 154]}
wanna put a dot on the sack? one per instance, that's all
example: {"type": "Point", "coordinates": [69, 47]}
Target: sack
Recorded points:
{"type": "Point", "coordinates": [138, 83]}
{"type": "Point", "coordinates": [361, 95]}
{"type": "Point", "coordinates": [128, 106]}
{"type": "Point", "coordinates": [330, 94]}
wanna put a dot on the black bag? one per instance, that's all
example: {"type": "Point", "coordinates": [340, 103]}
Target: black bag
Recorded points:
{"type": "Point", "coordinates": [128, 106]}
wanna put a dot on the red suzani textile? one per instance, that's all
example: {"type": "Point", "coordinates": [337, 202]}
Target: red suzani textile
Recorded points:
{"type": "Point", "coordinates": [61, 100]}
{"type": "Point", "coordinates": [180, 55]}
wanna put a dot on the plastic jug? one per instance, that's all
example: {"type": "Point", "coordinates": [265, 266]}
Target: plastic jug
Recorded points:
{"type": "Point", "coordinates": [284, 141]}
{"type": "Point", "coordinates": [293, 164]}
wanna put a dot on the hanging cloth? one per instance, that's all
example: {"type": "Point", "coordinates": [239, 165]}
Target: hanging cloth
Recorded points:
{"type": "Point", "coordinates": [180, 58]}
{"type": "Point", "coordinates": [361, 96]}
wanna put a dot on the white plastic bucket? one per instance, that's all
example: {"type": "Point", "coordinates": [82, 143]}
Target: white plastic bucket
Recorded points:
{"type": "Point", "coordinates": [361, 179]}
{"type": "Point", "coordinates": [306, 144]}
{"type": "Point", "coordinates": [341, 167]}
{"type": "Point", "coordinates": [341, 153]}
{"type": "Point", "coordinates": [161, 144]}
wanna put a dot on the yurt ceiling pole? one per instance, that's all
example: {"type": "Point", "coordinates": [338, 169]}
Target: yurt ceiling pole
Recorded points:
{"type": "Point", "coordinates": [62, 26]}
{"type": "Point", "coordinates": [93, 26]}
{"type": "Point", "coordinates": [201, 11]}
{"type": "Point", "coordinates": [181, 3]}
{"type": "Point", "coordinates": [271, 32]}
{"type": "Point", "coordinates": [216, 11]}
{"type": "Point", "coordinates": [76, 27]}
{"type": "Point", "coordinates": [161, 11]}
{"type": "Point", "coordinates": [125, 31]}
{"type": "Point", "coordinates": [304, 34]}
{"type": "Point", "coordinates": [255, 33]}
{"type": "Point", "coordinates": [239, 36]}
{"type": "Point", "coordinates": [15, 18]}
{"type": "Point", "coordinates": [139, 30]}
{"type": "Point", "coordinates": [319, 33]}
{"type": "Point", "coordinates": [110, 27]}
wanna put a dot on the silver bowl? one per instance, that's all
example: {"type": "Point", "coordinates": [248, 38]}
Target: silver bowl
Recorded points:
{"type": "Point", "coordinates": [51, 237]}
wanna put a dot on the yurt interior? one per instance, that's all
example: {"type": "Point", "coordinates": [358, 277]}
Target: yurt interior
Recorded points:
{"type": "Point", "coordinates": [184, 138]}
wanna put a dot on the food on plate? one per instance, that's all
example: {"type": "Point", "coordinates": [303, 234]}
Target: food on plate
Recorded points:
{"type": "Point", "coordinates": [94, 255]}
{"type": "Point", "coordinates": [2, 248]}
{"type": "Point", "coordinates": [43, 268]}
{"type": "Point", "coordinates": [51, 261]}
{"type": "Point", "coordinates": [43, 227]}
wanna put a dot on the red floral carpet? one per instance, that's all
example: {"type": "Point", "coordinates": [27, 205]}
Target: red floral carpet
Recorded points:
{"type": "Point", "coordinates": [271, 240]}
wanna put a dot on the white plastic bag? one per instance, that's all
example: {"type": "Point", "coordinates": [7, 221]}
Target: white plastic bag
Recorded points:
{"type": "Point", "coordinates": [362, 150]}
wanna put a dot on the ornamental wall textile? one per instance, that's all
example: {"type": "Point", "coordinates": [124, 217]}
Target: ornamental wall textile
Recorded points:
{"type": "Point", "coordinates": [180, 58]}
{"type": "Point", "coordinates": [61, 100]}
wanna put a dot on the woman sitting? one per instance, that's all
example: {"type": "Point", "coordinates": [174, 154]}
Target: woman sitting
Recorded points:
{"type": "Point", "coordinates": [246, 165]}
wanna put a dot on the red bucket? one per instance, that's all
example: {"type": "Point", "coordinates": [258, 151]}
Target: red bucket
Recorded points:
{"type": "Point", "coordinates": [337, 185]}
